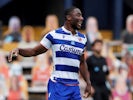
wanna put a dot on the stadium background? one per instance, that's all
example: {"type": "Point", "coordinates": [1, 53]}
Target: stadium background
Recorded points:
{"type": "Point", "coordinates": [111, 16]}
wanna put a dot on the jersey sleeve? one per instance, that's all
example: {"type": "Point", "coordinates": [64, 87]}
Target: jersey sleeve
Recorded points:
{"type": "Point", "coordinates": [47, 41]}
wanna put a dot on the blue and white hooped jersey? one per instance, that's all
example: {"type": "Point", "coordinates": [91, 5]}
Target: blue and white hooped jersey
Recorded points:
{"type": "Point", "coordinates": [67, 50]}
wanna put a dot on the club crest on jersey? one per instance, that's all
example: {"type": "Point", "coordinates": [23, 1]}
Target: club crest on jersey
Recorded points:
{"type": "Point", "coordinates": [72, 43]}
{"type": "Point", "coordinates": [80, 39]}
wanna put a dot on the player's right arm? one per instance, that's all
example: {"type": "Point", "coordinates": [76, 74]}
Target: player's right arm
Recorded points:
{"type": "Point", "coordinates": [44, 45]}
{"type": "Point", "coordinates": [28, 52]}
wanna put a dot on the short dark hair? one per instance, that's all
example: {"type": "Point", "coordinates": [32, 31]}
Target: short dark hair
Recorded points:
{"type": "Point", "coordinates": [68, 11]}
{"type": "Point", "coordinates": [96, 41]}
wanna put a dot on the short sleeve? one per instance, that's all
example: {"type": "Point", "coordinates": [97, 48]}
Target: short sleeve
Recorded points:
{"type": "Point", "coordinates": [47, 41]}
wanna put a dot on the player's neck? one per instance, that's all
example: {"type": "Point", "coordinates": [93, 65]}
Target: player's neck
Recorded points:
{"type": "Point", "coordinates": [68, 27]}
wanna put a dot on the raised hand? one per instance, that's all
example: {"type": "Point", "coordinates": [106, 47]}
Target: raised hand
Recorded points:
{"type": "Point", "coordinates": [12, 53]}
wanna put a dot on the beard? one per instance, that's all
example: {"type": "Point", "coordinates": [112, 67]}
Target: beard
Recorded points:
{"type": "Point", "coordinates": [97, 51]}
{"type": "Point", "coordinates": [75, 26]}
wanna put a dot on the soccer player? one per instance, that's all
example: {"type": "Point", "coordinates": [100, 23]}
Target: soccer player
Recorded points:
{"type": "Point", "coordinates": [68, 56]}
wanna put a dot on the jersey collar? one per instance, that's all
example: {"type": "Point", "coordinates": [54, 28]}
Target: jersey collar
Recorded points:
{"type": "Point", "coordinates": [67, 31]}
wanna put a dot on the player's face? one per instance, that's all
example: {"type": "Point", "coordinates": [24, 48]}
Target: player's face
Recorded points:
{"type": "Point", "coordinates": [76, 19]}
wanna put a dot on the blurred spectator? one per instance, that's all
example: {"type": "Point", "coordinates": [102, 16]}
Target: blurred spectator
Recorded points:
{"type": "Point", "coordinates": [4, 76]}
{"type": "Point", "coordinates": [98, 70]}
{"type": "Point", "coordinates": [13, 33]}
{"type": "Point", "coordinates": [15, 67]}
{"type": "Point", "coordinates": [127, 35]}
{"type": "Point", "coordinates": [51, 23]}
{"type": "Point", "coordinates": [15, 90]}
{"type": "Point", "coordinates": [4, 69]}
{"type": "Point", "coordinates": [27, 41]}
{"type": "Point", "coordinates": [3, 87]}
{"type": "Point", "coordinates": [107, 52]}
{"type": "Point", "coordinates": [24, 87]}
{"type": "Point", "coordinates": [92, 31]}
{"type": "Point", "coordinates": [121, 91]}
{"type": "Point", "coordinates": [16, 70]}
{"type": "Point", "coordinates": [127, 58]}
{"type": "Point", "coordinates": [41, 72]}
{"type": "Point", "coordinates": [112, 62]}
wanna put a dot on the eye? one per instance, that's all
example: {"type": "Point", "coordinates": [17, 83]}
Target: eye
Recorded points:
{"type": "Point", "coordinates": [78, 15]}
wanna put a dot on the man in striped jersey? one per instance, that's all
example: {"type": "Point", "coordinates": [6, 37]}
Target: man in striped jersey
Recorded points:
{"type": "Point", "coordinates": [67, 46]}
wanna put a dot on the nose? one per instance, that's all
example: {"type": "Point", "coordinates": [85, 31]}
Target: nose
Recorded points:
{"type": "Point", "coordinates": [82, 18]}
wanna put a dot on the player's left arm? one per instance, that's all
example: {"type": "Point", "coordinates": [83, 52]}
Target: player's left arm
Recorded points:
{"type": "Point", "coordinates": [85, 74]}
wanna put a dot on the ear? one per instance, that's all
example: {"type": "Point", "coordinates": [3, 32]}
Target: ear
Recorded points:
{"type": "Point", "coordinates": [68, 17]}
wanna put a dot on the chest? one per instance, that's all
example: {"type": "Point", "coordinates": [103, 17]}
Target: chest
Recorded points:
{"type": "Point", "coordinates": [98, 65]}
{"type": "Point", "coordinates": [69, 43]}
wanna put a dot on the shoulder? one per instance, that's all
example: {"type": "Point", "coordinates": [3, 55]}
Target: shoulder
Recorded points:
{"type": "Point", "coordinates": [82, 35]}
{"type": "Point", "coordinates": [57, 31]}
{"type": "Point", "coordinates": [50, 35]}
{"type": "Point", "coordinates": [51, 32]}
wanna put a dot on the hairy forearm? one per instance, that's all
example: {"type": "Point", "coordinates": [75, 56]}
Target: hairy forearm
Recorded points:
{"type": "Point", "coordinates": [26, 52]}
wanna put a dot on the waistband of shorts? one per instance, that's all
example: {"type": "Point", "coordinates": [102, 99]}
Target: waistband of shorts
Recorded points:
{"type": "Point", "coordinates": [53, 80]}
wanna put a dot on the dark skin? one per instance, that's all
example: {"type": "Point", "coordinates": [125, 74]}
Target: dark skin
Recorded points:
{"type": "Point", "coordinates": [73, 21]}
{"type": "Point", "coordinates": [84, 72]}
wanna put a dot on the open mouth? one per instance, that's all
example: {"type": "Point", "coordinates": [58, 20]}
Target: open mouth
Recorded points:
{"type": "Point", "coordinates": [80, 23]}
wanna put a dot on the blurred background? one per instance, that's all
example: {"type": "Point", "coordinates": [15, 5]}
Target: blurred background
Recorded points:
{"type": "Point", "coordinates": [23, 23]}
